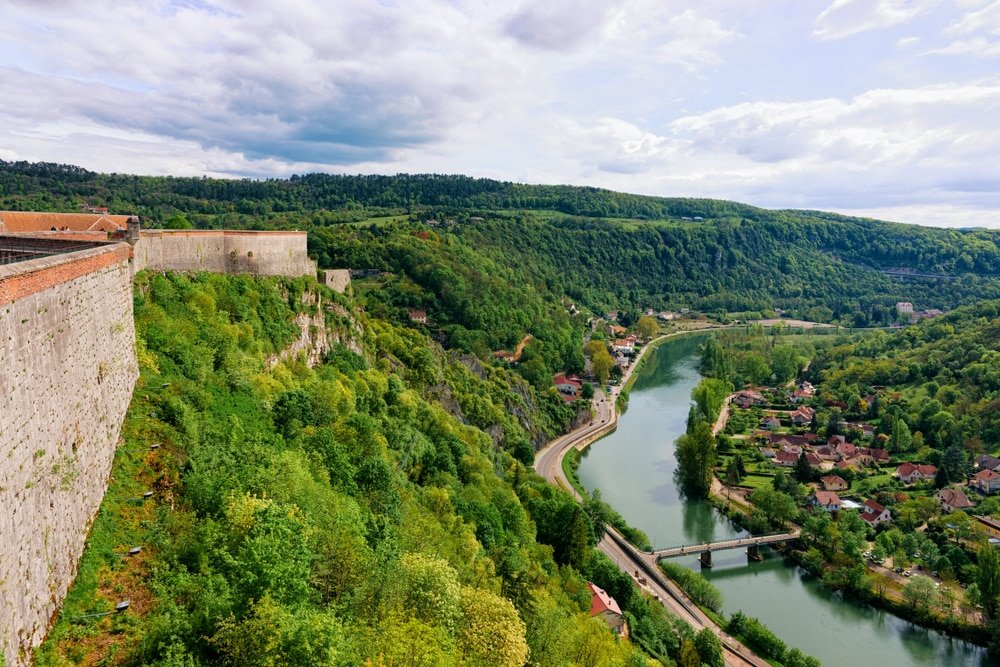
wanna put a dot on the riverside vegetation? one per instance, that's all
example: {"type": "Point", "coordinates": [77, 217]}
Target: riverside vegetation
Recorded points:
{"type": "Point", "coordinates": [930, 394]}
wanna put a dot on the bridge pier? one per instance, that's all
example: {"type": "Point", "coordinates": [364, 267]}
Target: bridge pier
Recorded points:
{"type": "Point", "coordinates": [753, 552]}
{"type": "Point", "coordinates": [705, 558]}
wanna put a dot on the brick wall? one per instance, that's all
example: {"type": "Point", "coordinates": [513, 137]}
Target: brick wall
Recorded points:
{"type": "Point", "coordinates": [67, 369]}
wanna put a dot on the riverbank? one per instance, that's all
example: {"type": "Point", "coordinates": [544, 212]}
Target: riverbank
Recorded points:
{"type": "Point", "coordinates": [633, 470]}
{"type": "Point", "coordinates": [628, 558]}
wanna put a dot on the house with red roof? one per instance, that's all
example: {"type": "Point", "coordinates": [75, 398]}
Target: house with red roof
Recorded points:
{"type": "Point", "coordinates": [872, 455]}
{"type": "Point", "coordinates": [418, 316]}
{"type": "Point", "coordinates": [785, 459]}
{"type": "Point", "coordinates": [605, 606]}
{"type": "Point", "coordinates": [987, 481]}
{"type": "Point", "coordinates": [568, 386]}
{"type": "Point", "coordinates": [803, 415]}
{"type": "Point", "coordinates": [624, 344]}
{"type": "Point", "coordinates": [952, 500]}
{"type": "Point", "coordinates": [875, 514]}
{"type": "Point", "coordinates": [910, 473]}
{"type": "Point", "coordinates": [771, 423]}
{"type": "Point", "coordinates": [833, 483]}
{"type": "Point", "coordinates": [828, 500]}
{"type": "Point", "coordinates": [813, 460]}
{"type": "Point", "coordinates": [749, 398]}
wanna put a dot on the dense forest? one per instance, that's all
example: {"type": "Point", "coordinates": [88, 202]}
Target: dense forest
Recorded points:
{"type": "Point", "coordinates": [599, 248]}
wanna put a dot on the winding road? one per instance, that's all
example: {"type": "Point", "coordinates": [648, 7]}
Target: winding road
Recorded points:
{"type": "Point", "coordinates": [630, 559]}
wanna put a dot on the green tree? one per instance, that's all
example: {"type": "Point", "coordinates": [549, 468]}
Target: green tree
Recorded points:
{"type": "Point", "coordinates": [709, 648]}
{"type": "Point", "coordinates": [602, 363]}
{"type": "Point", "coordinates": [695, 454]}
{"type": "Point", "coordinates": [647, 327]}
{"type": "Point", "coordinates": [803, 472]}
{"type": "Point", "coordinates": [491, 633]}
{"type": "Point", "coordinates": [920, 593]}
{"type": "Point", "coordinates": [989, 579]}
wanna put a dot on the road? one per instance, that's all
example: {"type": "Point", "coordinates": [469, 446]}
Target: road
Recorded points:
{"type": "Point", "coordinates": [630, 559]}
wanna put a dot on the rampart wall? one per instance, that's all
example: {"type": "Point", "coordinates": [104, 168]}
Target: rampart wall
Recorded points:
{"type": "Point", "coordinates": [259, 253]}
{"type": "Point", "coordinates": [67, 369]}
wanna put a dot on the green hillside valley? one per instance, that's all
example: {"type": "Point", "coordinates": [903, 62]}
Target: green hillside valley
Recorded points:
{"type": "Point", "coordinates": [361, 475]}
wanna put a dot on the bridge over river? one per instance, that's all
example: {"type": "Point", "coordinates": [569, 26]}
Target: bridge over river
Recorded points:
{"type": "Point", "coordinates": [704, 551]}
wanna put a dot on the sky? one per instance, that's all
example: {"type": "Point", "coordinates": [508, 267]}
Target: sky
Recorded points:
{"type": "Point", "coordinates": [883, 108]}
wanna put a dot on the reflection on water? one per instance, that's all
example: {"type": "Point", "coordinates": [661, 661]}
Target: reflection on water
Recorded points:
{"type": "Point", "coordinates": [634, 469]}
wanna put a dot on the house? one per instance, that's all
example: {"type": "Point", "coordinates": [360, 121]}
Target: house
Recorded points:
{"type": "Point", "coordinates": [767, 452]}
{"type": "Point", "coordinates": [785, 459]}
{"type": "Point", "coordinates": [828, 500]}
{"type": "Point", "coordinates": [836, 440]}
{"type": "Point", "coordinates": [567, 385]}
{"type": "Point", "coordinates": [605, 606]}
{"type": "Point", "coordinates": [803, 415]}
{"type": "Point", "coordinates": [617, 331]}
{"type": "Point", "coordinates": [872, 455]}
{"type": "Point", "coordinates": [833, 483]}
{"type": "Point", "coordinates": [987, 462]}
{"type": "Point", "coordinates": [874, 513]}
{"type": "Point", "coordinates": [418, 316]}
{"type": "Point", "coordinates": [987, 481]}
{"type": "Point", "coordinates": [813, 460]}
{"type": "Point", "coordinates": [666, 316]}
{"type": "Point", "coordinates": [909, 473]}
{"type": "Point", "coordinates": [846, 450]}
{"type": "Point", "coordinates": [991, 525]}
{"type": "Point", "coordinates": [786, 439]}
{"type": "Point", "coordinates": [771, 423]}
{"type": "Point", "coordinates": [792, 449]}
{"type": "Point", "coordinates": [904, 307]}
{"type": "Point", "coordinates": [952, 500]}
{"type": "Point", "coordinates": [624, 345]}
{"type": "Point", "coordinates": [826, 453]}
{"type": "Point", "coordinates": [747, 398]}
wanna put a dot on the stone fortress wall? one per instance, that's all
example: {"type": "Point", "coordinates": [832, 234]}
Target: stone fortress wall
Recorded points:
{"type": "Point", "coordinates": [67, 369]}
{"type": "Point", "coordinates": [224, 251]}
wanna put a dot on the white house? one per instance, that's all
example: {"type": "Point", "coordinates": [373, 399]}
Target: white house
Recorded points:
{"type": "Point", "coordinates": [874, 513]}
{"type": "Point", "coordinates": [952, 499]}
{"type": "Point", "coordinates": [828, 500]}
{"type": "Point", "coordinates": [987, 481]}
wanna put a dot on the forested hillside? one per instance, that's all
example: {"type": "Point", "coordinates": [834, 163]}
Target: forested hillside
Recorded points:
{"type": "Point", "coordinates": [365, 511]}
{"type": "Point", "coordinates": [941, 383]}
{"type": "Point", "coordinates": [599, 248]}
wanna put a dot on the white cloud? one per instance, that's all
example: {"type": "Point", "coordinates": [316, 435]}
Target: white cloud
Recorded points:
{"type": "Point", "coordinates": [975, 33]}
{"type": "Point", "coordinates": [843, 18]}
{"type": "Point", "coordinates": [733, 100]}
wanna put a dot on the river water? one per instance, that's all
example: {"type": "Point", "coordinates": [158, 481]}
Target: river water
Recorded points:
{"type": "Point", "coordinates": [633, 468]}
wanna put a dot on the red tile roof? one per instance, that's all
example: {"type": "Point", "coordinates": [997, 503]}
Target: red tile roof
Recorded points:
{"type": "Point", "coordinates": [826, 498]}
{"type": "Point", "coordinates": [987, 475]}
{"type": "Point", "coordinates": [907, 469]}
{"type": "Point", "coordinates": [15, 222]}
{"type": "Point", "coordinates": [955, 498]}
{"type": "Point", "coordinates": [833, 480]}
{"type": "Point", "coordinates": [601, 601]}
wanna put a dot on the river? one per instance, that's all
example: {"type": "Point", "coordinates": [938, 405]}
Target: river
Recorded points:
{"type": "Point", "coordinates": [633, 468]}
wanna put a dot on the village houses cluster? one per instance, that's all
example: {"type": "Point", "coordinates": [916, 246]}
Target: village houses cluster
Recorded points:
{"type": "Point", "coordinates": [787, 437]}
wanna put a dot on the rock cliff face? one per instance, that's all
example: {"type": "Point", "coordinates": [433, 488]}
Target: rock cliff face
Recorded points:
{"type": "Point", "coordinates": [317, 336]}
{"type": "Point", "coordinates": [67, 369]}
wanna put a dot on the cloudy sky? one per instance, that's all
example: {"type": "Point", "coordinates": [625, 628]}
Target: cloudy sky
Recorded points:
{"type": "Point", "coordinates": [889, 108]}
